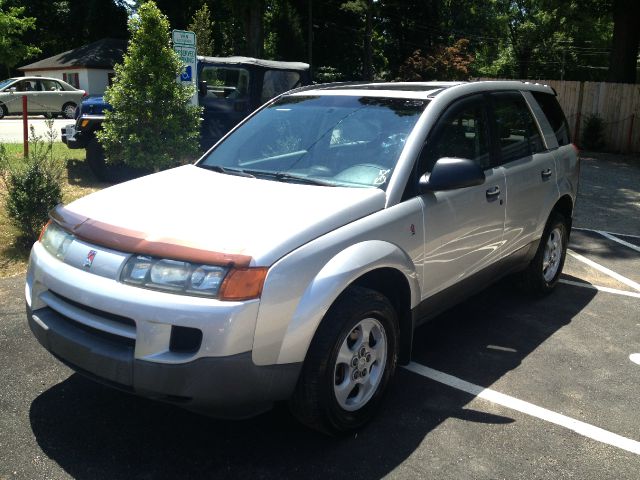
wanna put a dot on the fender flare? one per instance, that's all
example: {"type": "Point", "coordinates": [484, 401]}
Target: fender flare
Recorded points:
{"type": "Point", "coordinates": [335, 276]}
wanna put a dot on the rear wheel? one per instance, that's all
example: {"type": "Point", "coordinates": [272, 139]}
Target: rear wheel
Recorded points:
{"type": "Point", "coordinates": [96, 160]}
{"type": "Point", "coordinates": [69, 110]}
{"type": "Point", "coordinates": [543, 272]}
{"type": "Point", "coordinates": [349, 364]}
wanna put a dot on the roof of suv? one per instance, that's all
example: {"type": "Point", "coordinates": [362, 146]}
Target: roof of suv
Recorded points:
{"type": "Point", "coordinates": [421, 90]}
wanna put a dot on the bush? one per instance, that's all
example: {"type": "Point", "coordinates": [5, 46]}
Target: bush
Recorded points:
{"type": "Point", "coordinates": [33, 187]}
{"type": "Point", "coordinates": [153, 125]}
{"type": "Point", "coordinates": [593, 133]}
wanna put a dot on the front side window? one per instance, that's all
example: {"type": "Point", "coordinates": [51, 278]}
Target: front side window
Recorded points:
{"type": "Point", "coordinates": [460, 133]}
{"type": "Point", "coordinates": [516, 130]}
{"type": "Point", "coordinates": [226, 82]}
{"type": "Point", "coordinates": [337, 140]}
{"type": "Point", "coordinates": [27, 86]}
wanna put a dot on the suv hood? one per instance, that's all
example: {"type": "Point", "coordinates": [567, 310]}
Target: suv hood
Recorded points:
{"type": "Point", "coordinates": [205, 211]}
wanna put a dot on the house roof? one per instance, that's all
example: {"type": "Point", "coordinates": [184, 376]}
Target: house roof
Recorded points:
{"type": "Point", "coordinates": [104, 53]}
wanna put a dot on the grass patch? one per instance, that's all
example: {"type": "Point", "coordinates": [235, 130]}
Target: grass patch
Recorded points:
{"type": "Point", "coordinates": [77, 182]}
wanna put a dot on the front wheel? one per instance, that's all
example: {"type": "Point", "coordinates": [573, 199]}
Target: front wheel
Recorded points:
{"type": "Point", "coordinates": [543, 272]}
{"type": "Point", "coordinates": [349, 364]}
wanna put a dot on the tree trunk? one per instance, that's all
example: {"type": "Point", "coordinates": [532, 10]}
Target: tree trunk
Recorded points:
{"type": "Point", "coordinates": [367, 60]}
{"type": "Point", "coordinates": [254, 28]}
{"type": "Point", "coordinates": [626, 38]}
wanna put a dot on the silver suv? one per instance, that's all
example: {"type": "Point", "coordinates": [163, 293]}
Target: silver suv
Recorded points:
{"type": "Point", "coordinates": [294, 260]}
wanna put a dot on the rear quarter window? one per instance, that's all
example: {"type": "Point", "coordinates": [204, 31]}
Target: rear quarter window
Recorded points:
{"type": "Point", "coordinates": [552, 110]}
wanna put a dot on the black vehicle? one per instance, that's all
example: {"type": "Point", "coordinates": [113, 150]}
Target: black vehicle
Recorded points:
{"type": "Point", "coordinates": [229, 88]}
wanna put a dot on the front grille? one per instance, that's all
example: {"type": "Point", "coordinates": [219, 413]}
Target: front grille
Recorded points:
{"type": "Point", "coordinates": [100, 313]}
{"type": "Point", "coordinates": [106, 325]}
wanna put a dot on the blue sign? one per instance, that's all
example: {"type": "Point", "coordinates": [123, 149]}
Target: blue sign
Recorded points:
{"type": "Point", "coordinates": [187, 74]}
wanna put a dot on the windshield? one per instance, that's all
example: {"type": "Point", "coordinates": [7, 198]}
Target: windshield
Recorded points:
{"type": "Point", "coordinates": [329, 140]}
{"type": "Point", "coordinates": [6, 82]}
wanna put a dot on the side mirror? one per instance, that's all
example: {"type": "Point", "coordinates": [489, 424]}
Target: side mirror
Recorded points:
{"type": "Point", "coordinates": [13, 90]}
{"type": "Point", "coordinates": [450, 174]}
{"type": "Point", "coordinates": [202, 88]}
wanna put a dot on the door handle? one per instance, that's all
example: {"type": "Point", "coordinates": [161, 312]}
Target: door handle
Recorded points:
{"type": "Point", "coordinates": [545, 173]}
{"type": "Point", "coordinates": [493, 192]}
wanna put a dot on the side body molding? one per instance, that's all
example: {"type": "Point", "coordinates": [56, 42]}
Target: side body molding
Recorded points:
{"type": "Point", "coordinates": [300, 320]}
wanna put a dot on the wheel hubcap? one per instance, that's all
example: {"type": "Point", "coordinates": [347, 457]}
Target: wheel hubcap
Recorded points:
{"type": "Point", "coordinates": [360, 364]}
{"type": "Point", "coordinates": [552, 255]}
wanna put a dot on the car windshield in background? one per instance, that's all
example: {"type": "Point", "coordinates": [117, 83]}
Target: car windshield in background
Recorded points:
{"type": "Point", "coordinates": [6, 82]}
{"type": "Point", "coordinates": [327, 140]}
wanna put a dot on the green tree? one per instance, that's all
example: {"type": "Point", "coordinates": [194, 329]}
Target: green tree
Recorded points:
{"type": "Point", "coordinates": [202, 26]}
{"type": "Point", "coordinates": [66, 24]}
{"type": "Point", "coordinates": [153, 125]}
{"type": "Point", "coordinates": [13, 24]}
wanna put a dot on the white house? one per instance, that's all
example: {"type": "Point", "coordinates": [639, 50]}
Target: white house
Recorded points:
{"type": "Point", "coordinates": [89, 67]}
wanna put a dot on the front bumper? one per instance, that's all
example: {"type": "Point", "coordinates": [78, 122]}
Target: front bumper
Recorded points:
{"type": "Point", "coordinates": [125, 336]}
{"type": "Point", "coordinates": [228, 387]}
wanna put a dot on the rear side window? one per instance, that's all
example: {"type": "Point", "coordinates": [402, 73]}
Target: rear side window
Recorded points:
{"type": "Point", "coordinates": [516, 130]}
{"type": "Point", "coordinates": [552, 110]}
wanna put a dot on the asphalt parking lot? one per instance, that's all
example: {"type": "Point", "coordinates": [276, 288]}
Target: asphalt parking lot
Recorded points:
{"type": "Point", "coordinates": [501, 386]}
{"type": "Point", "coordinates": [11, 127]}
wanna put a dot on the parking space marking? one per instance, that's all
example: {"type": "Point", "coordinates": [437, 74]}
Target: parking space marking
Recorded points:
{"type": "Point", "coordinates": [582, 428]}
{"type": "Point", "coordinates": [618, 240]}
{"type": "Point", "coordinates": [635, 358]}
{"type": "Point", "coordinates": [605, 270]}
{"type": "Point", "coordinates": [600, 231]}
{"type": "Point", "coordinates": [600, 288]}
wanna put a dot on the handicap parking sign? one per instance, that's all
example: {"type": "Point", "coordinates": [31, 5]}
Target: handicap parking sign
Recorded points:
{"type": "Point", "coordinates": [187, 74]}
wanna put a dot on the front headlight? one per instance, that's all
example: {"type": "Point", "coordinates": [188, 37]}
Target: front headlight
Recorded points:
{"type": "Point", "coordinates": [56, 240]}
{"type": "Point", "coordinates": [173, 276]}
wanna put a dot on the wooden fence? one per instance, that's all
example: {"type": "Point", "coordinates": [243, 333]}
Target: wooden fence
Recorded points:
{"type": "Point", "coordinates": [618, 104]}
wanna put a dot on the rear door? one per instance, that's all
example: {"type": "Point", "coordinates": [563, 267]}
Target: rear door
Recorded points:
{"type": "Point", "coordinates": [463, 227]}
{"type": "Point", "coordinates": [51, 95]}
{"type": "Point", "coordinates": [529, 169]}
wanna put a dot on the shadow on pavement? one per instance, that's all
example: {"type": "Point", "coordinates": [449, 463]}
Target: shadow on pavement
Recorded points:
{"type": "Point", "coordinates": [94, 432]}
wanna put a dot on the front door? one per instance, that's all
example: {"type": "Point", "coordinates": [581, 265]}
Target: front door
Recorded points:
{"type": "Point", "coordinates": [463, 227]}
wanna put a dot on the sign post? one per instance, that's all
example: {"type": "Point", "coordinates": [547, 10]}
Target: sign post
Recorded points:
{"type": "Point", "coordinates": [184, 44]}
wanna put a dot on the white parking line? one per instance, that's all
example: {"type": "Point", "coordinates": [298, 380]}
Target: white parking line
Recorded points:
{"type": "Point", "coordinates": [605, 270]}
{"type": "Point", "coordinates": [582, 428]}
{"type": "Point", "coordinates": [600, 288]}
{"type": "Point", "coordinates": [635, 358]}
{"type": "Point", "coordinates": [618, 240]}
{"type": "Point", "coordinates": [610, 233]}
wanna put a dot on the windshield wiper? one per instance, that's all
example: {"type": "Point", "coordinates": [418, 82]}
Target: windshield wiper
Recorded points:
{"type": "Point", "coordinates": [286, 177]}
{"type": "Point", "coordinates": [226, 170]}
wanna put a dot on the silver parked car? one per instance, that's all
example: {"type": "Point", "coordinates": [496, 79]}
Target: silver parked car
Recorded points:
{"type": "Point", "coordinates": [294, 260]}
{"type": "Point", "coordinates": [46, 96]}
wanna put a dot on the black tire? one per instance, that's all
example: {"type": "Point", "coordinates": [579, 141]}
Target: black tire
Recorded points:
{"type": "Point", "coordinates": [533, 280]}
{"type": "Point", "coordinates": [3, 111]}
{"type": "Point", "coordinates": [314, 401]}
{"type": "Point", "coordinates": [96, 160]}
{"type": "Point", "coordinates": [109, 173]}
{"type": "Point", "coordinates": [69, 110]}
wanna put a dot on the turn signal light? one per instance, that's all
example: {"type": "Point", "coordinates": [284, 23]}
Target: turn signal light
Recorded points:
{"type": "Point", "coordinates": [243, 284]}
